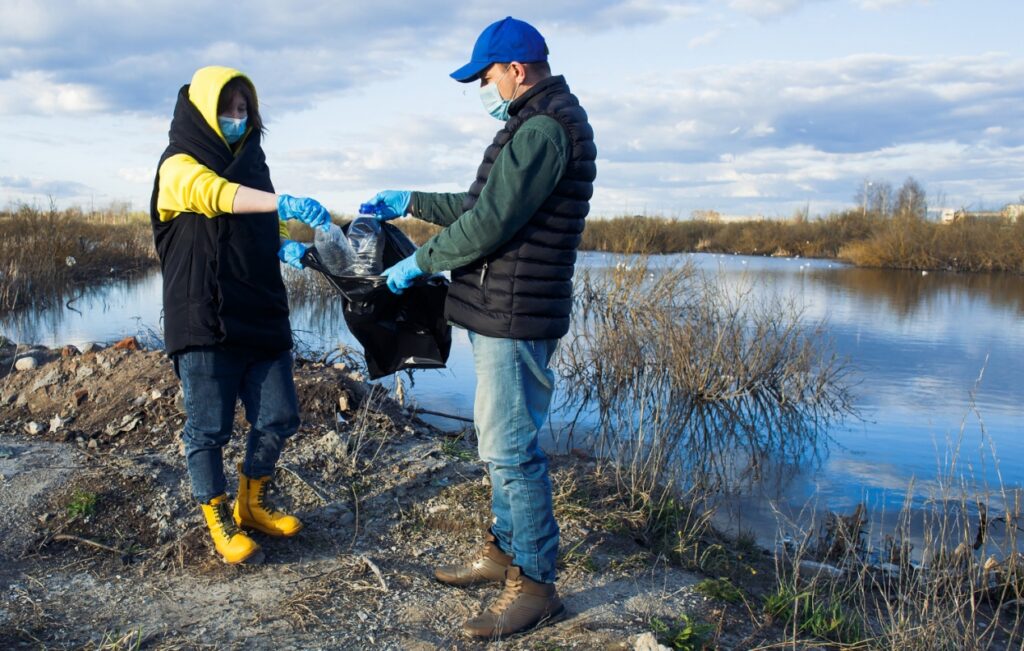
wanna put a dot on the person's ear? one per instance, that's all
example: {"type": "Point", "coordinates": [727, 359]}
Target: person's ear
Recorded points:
{"type": "Point", "coordinates": [518, 72]}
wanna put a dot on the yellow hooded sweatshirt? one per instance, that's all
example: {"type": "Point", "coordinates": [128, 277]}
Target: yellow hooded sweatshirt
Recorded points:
{"type": "Point", "coordinates": [185, 184]}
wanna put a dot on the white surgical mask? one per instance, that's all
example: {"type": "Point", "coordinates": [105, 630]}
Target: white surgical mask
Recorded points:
{"type": "Point", "coordinates": [232, 128]}
{"type": "Point", "coordinates": [492, 100]}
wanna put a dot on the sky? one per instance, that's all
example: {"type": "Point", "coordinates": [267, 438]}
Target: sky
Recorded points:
{"type": "Point", "coordinates": [742, 106]}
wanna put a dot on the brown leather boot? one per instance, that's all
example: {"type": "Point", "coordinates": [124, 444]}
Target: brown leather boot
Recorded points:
{"type": "Point", "coordinates": [490, 565]}
{"type": "Point", "coordinates": [522, 605]}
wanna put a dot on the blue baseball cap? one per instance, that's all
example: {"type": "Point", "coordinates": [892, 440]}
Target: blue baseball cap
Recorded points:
{"type": "Point", "coordinates": [503, 42]}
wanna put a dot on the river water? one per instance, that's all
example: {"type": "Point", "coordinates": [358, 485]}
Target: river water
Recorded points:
{"type": "Point", "coordinates": [938, 359]}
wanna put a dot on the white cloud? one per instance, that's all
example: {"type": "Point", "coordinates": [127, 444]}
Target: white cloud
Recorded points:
{"type": "Point", "coordinates": [766, 9]}
{"type": "Point", "coordinates": [20, 187]}
{"type": "Point", "coordinates": [875, 5]}
{"type": "Point", "coordinates": [704, 39]}
{"type": "Point", "coordinates": [136, 174]}
{"type": "Point", "coordinates": [136, 55]}
{"type": "Point", "coordinates": [38, 92]}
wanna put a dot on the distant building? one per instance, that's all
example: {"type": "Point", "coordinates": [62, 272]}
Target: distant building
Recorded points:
{"type": "Point", "coordinates": [718, 218]}
{"type": "Point", "coordinates": [1013, 211]}
{"type": "Point", "coordinates": [1010, 212]}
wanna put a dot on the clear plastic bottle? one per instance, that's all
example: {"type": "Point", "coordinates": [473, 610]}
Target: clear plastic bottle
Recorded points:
{"type": "Point", "coordinates": [336, 252]}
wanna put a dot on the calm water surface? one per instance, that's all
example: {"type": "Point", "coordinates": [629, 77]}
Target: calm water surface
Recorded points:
{"type": "Point", "coordinates": [939, 360]}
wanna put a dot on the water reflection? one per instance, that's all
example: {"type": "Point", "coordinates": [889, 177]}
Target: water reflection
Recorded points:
{"type": "Point", "coordinates": [97, 313]}
{"type": "Point", "coordinates": [919, 345]}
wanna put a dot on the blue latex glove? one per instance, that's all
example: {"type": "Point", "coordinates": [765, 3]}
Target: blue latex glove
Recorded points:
{"type": "Point", "coordinates": [291, 252]}
{"type": "Point", "coordinates": [306, 210]}
{"type": "Point", "coordinates": [387, 204]}
{"type": "Point", "coordinates": [401, 275]}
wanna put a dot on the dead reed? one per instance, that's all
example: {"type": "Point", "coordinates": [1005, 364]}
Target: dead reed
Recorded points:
{"type": "Point", "coordinates": [691, 386]}
{"type": "Point", "coordinates": [48, 256]}
{"type": "Point", "coordinates": [862, 238]}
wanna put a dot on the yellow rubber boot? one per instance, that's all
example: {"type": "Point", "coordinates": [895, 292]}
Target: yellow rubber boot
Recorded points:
{"type": "Point", "coordinates": [251, 509]}
{"type": "Point", "coordinates": [231, 543]}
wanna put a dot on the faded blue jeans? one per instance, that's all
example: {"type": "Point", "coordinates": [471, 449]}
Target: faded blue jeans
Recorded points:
{"type": "Point", "coordinates": [213, 379]}
{"type": "Point", "coordinates": [513, 393]}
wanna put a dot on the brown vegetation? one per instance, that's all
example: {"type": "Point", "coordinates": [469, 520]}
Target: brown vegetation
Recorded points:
{"type": "Point", "coordinates": [862, 238]}
{"type": "Point", "coordinates": [46, 255]}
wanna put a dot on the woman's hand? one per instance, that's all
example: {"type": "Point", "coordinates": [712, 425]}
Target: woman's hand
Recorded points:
{"type": "Point", "coordinates": [291, 253]}
{"type": "Point", "coordinates": [306, 210]}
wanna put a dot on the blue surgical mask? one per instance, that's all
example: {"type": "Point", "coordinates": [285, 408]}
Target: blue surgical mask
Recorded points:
{"type": "Point", "coordinates": [492, 100]}
{"type": "Point", "coordinates": [232, 128]}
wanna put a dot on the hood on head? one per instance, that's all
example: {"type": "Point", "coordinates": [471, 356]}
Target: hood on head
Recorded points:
{"type": "Point", "coordinates": [204, 92]}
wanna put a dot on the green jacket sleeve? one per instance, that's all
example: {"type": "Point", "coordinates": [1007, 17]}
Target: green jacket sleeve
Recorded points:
{"type": "Point", "coordinates": [523, 177]}
{"type": "Point", "coordinates": [441, 208]}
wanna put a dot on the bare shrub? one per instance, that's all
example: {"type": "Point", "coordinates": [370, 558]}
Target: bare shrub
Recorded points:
{"type": "Point", "coordinates": [691, 385]}
{"type": "Point", "coordinates": [46, 256]}
{"type": "Point", "coordinates": [945, 573]}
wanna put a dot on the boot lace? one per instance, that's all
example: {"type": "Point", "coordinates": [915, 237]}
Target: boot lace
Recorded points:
{"type": "Point", "coordinates": [261, 498]}
{"type": "Point", "coordinates": [225, 519]}
{"type": "Point", "coordinates": [511, 592]}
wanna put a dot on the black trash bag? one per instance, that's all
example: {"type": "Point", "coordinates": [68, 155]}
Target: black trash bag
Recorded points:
{"type": "Point", "coordinates": [397, 331]}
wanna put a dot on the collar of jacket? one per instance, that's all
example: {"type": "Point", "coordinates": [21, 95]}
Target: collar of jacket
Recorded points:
{"type": "Point", "coordinates": [542, 87]}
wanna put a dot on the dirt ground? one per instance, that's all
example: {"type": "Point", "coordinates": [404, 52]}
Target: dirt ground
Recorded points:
{"type": "Point", "coordinates": [101, 545]}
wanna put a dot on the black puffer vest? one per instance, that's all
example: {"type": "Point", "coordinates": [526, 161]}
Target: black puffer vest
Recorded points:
{"type": "Point", "coordinates": [523, 290]}
{"type": "Point", "coordinates": [222, 278]}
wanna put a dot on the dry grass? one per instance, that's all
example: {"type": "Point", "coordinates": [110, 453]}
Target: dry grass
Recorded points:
{"type": "Point", "coordinates": [48, 256]}
{"type": "Point", "coordinates": [691, 388]}
{"type": "Point", "coordinates": [866, 586]}
{"type": "Point", "coordinates": [964, 245]}
{"type": "Point", "coordinates": [864, 239]}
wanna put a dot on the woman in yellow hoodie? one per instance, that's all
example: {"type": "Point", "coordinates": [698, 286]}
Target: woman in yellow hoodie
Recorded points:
{"type": "Point", "coordinates": [219, 232]}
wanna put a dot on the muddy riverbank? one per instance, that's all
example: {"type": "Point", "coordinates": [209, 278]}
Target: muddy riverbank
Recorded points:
{"type": "Point", "coordinates": [100, 541]}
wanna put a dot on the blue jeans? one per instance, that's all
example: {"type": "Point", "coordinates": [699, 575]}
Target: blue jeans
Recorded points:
{"type": "Point", "coordinates": [213, 378]}
{"type": "Point", "coordinates": [513, 393]}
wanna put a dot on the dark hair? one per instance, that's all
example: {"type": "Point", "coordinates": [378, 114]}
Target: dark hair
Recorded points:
{"type": "Point", "coordinates": [243, 87]}
{"type": "Point", "coordinates": [542, 68]}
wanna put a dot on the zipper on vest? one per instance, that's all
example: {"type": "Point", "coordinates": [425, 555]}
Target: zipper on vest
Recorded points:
{"type": "Point", "coordinates": [483, 275]}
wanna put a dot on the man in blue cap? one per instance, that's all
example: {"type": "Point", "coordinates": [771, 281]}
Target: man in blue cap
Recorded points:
{"type": "Point", "coordinates": [510, 242]}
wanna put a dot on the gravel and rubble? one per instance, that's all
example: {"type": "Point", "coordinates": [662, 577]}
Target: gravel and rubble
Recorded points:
{"type": "Point", "coordinates": [100, 540]}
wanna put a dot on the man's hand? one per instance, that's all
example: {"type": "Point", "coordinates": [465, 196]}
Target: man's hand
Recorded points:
{"type": "Point", "coordinates": [387, 204]}
{"type": "Point", "coordinates": [401, 275]}
{"type": "Point", "coordinates": [291, 252]}
{"type": "Point", "coordinates": [306, 210]}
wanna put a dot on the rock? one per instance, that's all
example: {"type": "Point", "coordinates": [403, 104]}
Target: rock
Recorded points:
{"type": "Point", "coordinates": [49, 379]}
{"type": "Point", "coordinates": [26, 363]}
{"type": "Point", "coordinates": [84, 372]}
{"type": "Point", "coordinates": [647, 642]}
{"type": "Point", "coordinates": [356, 376]}
{"type": "Point", "coordinates": [69, 351]}
{"type": "Point", "coordinates": [820, 568]}
{"type": "Point", "coordinates": [56, 423]}
{"type": "Point", "coordinates": [343, 402]}
{"type": "Point", "coordinates": [79, 396]}
{"type": "Point", "coordinates": [128, 343]}
{"type": "Point", "coordinates": [91, 347]}
{"type": "Point", "coordinates": [93, 444]}
{"type": "Point", "coordinates": [155, 394]}
{"type": "Point", "coordinates": [32, 427]}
